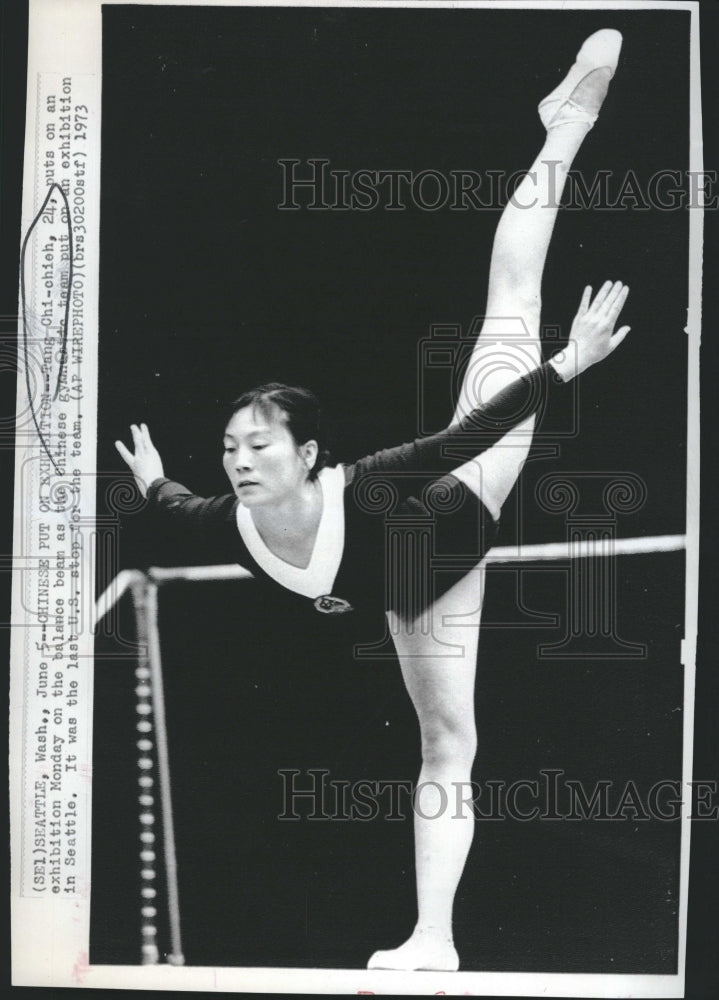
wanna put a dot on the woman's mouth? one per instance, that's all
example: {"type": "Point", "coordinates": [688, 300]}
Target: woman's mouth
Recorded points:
{"type": "Point", "coordinates": [246, 482]}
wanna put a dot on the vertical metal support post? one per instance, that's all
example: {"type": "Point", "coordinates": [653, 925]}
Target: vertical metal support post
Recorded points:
{"type": "Point", "coordinates": [151, 706]}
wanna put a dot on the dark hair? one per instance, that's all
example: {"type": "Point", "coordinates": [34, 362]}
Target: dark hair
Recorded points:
{"type": "Point", "coordinates": [301, 408]}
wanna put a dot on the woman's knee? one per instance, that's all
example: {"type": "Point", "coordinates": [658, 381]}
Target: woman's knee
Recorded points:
{"type": "Point", "coordinates": [504, 352]}
{"type": "Point", "coordinates": [514, 297]}
{"type": "Point", "coordinates": [447, 742]}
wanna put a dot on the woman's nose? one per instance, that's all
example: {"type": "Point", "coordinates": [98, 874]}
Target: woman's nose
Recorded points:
{"type": "Point", "coordinates": [244, 459]}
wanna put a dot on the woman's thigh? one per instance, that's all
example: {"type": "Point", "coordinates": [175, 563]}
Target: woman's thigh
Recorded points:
{"type": "Point", "coordinates": [508, 346]}
{"type": "Point", "coordinates": [439, 662]}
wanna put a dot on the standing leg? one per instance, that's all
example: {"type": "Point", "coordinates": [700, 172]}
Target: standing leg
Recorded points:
{"type": "Point", "coordinates": [442, 688]}
{"type": "Point", "coordinates": [442, 692]}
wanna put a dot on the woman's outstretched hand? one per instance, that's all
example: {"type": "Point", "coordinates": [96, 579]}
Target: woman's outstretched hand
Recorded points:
{"type": "Point", "coordinates": [592, 337]}
{"type": "Point", "coordinates": [145, 464]}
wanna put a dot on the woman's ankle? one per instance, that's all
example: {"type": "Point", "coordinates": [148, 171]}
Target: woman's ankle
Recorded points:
{"type": "Point", "coordinates": [438, 930]}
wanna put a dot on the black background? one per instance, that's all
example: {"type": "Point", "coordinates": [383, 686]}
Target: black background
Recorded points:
{"type": "Point", "coordinates": [354, 293]}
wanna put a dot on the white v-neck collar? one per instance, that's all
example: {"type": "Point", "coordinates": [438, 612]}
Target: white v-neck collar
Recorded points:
{"type": "Point", "coordinates": [318, 577]}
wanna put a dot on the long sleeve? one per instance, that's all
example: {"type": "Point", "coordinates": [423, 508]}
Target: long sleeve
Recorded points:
{"type": "Point", "coordinates": [192, 521]}
{"type": "Point", "coordinates": [479, 430]}
{"type": "Point", "coordinates": [176, 501]}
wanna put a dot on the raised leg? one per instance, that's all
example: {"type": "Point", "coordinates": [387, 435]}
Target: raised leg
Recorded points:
{"type": "Point", "coordinates": [509, 342]}
{"type": "Point", "coordinates": [441, 687]}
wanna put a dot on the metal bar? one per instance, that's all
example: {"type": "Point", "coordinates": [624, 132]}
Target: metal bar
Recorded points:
{"type": "Point", "coordinates": [125, 579]}
{"type": "Point", "coordinates": [175, 957]}
{"type": "Point", "coordinates": [229, 572]}
{"type": "Point", "coordinates": [149, 952]}
{"type": "Point", "coordinates": [582, 550]}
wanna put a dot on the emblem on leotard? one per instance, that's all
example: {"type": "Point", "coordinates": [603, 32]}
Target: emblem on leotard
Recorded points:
{"type": "Point", "coordinates": [329, 605]}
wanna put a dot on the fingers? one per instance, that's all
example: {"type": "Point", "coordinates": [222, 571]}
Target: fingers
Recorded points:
{"type": "Point", "coordinates": [141, 437]}
{"type": "Point", "coordinates": [124, 452]}
{"type": "Point", "coordinates": [615, 302]}
{"type": "Point", "coordinates": [141, 442]}
{"type": "Point", "coordinates": [618, 337]}
{"type": "Point", "coordinates": [610, 298]}
{"type": "Point", "coordinates": [602, 294]}
{"type": "Point", "coordinates": [586, 299]}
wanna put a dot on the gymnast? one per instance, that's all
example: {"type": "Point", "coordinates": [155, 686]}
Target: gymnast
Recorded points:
{"type": "Point", "coordinates": [307, 527]}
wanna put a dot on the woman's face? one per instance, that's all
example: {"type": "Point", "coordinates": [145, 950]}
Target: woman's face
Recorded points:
{"type": "Point", "coordinates": [262, 460]}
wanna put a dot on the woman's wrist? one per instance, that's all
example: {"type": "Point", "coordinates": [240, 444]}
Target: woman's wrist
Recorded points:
{"type": "Point", "coordinates": [565, 363]}
{"type": "Point", "coordinates": [153, 486]}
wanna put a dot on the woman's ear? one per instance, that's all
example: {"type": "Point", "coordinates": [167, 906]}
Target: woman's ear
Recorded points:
{"type": "Point", "coordinates": [310, 450]}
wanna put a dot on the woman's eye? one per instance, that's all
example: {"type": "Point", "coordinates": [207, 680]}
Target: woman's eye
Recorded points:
{"type": "Point", "coordinates": [229, 450]}
{"type": "Point", "coordinates": [258, 447]}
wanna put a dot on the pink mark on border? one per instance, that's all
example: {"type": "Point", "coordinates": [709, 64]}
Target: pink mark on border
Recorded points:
{"type": "Point", "coordinates": [80, 968]}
